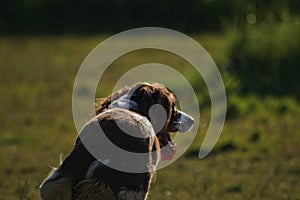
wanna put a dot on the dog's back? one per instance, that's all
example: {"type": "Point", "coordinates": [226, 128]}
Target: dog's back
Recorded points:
{"type": "Point", "coordinates": [81, 176]}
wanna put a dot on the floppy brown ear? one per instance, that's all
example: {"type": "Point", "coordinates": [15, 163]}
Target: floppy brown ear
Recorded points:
{"type": "Point", "coordinates": [145, 98]}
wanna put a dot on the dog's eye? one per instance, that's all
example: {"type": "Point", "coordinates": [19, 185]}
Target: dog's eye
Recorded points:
{"type": "Point", "coordinates": [173, 110]}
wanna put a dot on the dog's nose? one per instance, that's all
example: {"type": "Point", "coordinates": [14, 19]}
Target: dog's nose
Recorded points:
{"type": "Point", "coordinates": [186, 122]}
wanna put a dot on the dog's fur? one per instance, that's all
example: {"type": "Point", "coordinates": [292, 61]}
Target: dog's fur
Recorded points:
{"type": "Point", "coordinates": [82, 176]}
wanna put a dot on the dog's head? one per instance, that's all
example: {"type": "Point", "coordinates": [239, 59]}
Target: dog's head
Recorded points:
{"type": "Point", "coordinates": [158, 104]}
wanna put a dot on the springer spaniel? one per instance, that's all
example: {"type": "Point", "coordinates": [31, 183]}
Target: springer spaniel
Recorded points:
{"type": "Point", "coordinates": [138, 109]}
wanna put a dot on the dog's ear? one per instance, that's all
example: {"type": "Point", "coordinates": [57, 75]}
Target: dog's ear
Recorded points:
{"type": "Point", "coordinates": [125, 103]}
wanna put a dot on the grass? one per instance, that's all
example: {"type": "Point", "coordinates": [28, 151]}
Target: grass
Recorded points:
{"type": "Point", "coordinates": [256, 157]}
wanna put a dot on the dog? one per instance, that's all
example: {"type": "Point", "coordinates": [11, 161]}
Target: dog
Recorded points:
{"type": "Point", "coordinates": [147, 110]}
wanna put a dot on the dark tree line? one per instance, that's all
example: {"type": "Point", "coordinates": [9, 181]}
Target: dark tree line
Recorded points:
{"type": "Point", "coordinates": [89, 16]}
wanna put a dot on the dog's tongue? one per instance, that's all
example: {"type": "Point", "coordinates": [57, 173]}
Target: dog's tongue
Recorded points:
{"type": "Point", "coordinates": [168, 152]}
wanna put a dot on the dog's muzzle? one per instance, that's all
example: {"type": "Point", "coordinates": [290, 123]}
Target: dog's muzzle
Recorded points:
{"type": "Point", "coordinates": [182, 122]}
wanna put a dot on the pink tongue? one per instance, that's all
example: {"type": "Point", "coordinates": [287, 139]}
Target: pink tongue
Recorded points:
{"type": "Point", "coordinates": [168, 152]}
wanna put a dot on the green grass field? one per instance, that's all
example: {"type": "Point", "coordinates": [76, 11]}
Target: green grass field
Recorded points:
{"type": "Point", "coordinates": [256, 157]}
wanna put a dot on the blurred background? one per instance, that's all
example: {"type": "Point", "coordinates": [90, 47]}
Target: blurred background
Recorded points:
{"type": "Point", "coordinates": [255, 44]}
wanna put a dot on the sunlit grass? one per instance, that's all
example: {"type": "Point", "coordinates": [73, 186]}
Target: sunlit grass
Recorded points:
{"type": "Point", "coordinates": [257, 156]}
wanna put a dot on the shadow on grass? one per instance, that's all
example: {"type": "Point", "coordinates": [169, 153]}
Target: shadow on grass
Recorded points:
{"type": "Point", "coordinates": [228, 146]}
